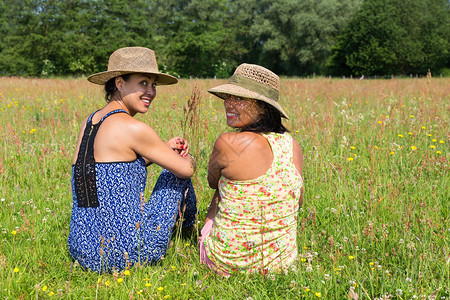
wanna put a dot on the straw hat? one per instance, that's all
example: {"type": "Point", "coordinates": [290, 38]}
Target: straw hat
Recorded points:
{"type": "Point", "coordinates": [132, 60]}
{"type": "Point", "coordinates": [255, 82]}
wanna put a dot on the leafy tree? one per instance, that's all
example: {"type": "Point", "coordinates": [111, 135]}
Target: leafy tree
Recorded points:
{"type": "Point", "coordinates": [394, 37]}
{"type": "Point", "coordinates": [19, 18]}
{"type": "Point", "coordinates": [195, 38]}
{"type": "Point", "coordinates": [296, 37]}
{"type": "Point", "coordinates": [50, 37]}
{"type": "Point", "coordinates": [206, 38]}
{"type": "Point", "coordinates": [121, 24]}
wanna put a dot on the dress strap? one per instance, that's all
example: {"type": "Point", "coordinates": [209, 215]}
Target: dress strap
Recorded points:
{"type": "Point", "coordinates": [84, 171]}
{"type": "Point", "coordinates": [281, 145]}
{"type": "Point", "coordinates": [91, 115]}
{"type": "Point", "coordinates": [113, 112]}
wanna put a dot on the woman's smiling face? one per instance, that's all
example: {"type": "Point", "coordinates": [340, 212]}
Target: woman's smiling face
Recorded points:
{"type": "Point", "coordinates": [241, 112]}
{"type": "Point", "coordinates": [138, 92]}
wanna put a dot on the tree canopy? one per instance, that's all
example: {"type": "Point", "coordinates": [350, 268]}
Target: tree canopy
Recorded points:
{"type": "Point", "coordinates": [206, 38]}
{"type": "Point", "coordinates": [394, 37]}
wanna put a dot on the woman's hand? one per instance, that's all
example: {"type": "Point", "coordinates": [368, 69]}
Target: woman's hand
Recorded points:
{"type": "Point", "coordinates": [179, 145]}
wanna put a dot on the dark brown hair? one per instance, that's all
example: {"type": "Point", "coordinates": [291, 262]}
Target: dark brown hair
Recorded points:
{"type": "Point", "coordinates": [110, 86]}
{"type": "Point", "coordinates": [269, 121]}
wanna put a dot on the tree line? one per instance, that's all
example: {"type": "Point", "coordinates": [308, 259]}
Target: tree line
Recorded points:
{"type": "Point", "coordinates": [206, 38]}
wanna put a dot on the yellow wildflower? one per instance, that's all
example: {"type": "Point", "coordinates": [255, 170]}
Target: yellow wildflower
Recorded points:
{"type": "Point", "coordinates": [13, 232]}
{"type": "Point", "coordinates": [107, 282]}
{"type": "Point", "coordinates": [127, 272]}
{"type": "Point", "coordinates": [432, 146]}
{"type": "Point", "coordinates": [392, 153]}
{"type": "Point", "coordinates": [379, 122]}
{"type": "Point", "coordinates": [160, 288]}
{"type": "Point", "coordinates": [318, 295]}
{"type": "Point", "coordinates": [51, 294]}
{"type": "Point", "coordinates": [119, 280]}
{"type": "Point", "coordinates": [411, 116]}
{"type": "Point", "coordinates": [423, 127]}
{"type": "Point", "coordinates": [441, 141]}
{"type": "Point", "coordinates": [434, 140]}
{"type": "Point", "coordinates": [410, 133]}
{"type": "Point", "coordinates": [371, 263]}
{"type": "Point", "coordinates": [166, 296]}
{"type": "Point", "coordinates": [16, 270]}
{"type": "Point", "coordinates": [413, 147]}
{"type": "Point", "coordinates": [400, 135]}
{"type": "Point", "coordinates": [148, 284]}
{"type": "Point", "coordinates": [302, 259]}
{"type": "Point", "coordinates": [351, 257]}
{"type": "Point", "coordinates": [44, 288]}
{"type": "Point", "coordinates": [352, 147]}
{"type": "Point", "coordinates": [438, 152]}
{"type": "Point", "coordinates": [350, 158]}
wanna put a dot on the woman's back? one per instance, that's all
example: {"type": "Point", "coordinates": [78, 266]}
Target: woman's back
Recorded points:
{"type": "Point", "coordinates": [244, 155]}
{"type": "Point", "coordinates": [255, 228]}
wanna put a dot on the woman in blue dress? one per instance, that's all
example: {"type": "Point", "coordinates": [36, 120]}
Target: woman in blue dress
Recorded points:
{"type": "Point", "coordinates": [112, 227]}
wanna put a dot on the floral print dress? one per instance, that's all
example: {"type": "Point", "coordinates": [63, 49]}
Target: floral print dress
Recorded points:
{"type": "Point", "coordinates": [255, 229]}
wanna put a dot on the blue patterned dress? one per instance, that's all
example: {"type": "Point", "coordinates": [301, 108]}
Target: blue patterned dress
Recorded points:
{"type": "Point", "coordinates": [121, 228]}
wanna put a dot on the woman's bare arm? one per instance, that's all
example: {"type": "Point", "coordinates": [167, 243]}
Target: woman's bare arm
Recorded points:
{"type": "Point", "coordinates": [215, 164]}
{"type": "Point", "coordinates": [213, 207]}
{"type": "Point", "coordinates": [298, 162]}
{"type": "Point", "coordinates": [146, 142]}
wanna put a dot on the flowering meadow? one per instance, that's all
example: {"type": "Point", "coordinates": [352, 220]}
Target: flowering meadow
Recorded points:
{"type": "Point", "coordinates": [375, 218]}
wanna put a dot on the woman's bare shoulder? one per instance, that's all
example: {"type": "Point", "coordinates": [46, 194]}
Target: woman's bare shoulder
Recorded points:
{"type": "Point", "coordinates": [126, 123]}
{"type": "Point", "coordinates": [238, 141]}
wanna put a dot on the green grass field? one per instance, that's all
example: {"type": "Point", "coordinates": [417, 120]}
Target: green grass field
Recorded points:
{"type": "Point", "coordinates": [375, 218]}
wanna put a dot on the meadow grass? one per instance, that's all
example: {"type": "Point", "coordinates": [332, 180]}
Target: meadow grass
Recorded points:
{"type": "Point", "coordinates": [375, 218]}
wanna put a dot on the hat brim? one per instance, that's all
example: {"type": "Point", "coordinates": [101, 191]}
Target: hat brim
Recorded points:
{"type": "Point", "coordinates": [102, 77]}
{"type": "Point", "coordinates": [235, 90]}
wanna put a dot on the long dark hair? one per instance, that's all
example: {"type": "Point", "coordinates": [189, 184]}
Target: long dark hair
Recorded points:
{"type": "Point", "coordinates": [110, 86]}
{"type": "Point", "coordinates": [269, 121]}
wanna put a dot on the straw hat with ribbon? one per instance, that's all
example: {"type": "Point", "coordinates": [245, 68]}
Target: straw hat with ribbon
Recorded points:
{"type": "Point", "coordinates": [132, 60]}
{"type": "Point", "coordinates": [255, 82]}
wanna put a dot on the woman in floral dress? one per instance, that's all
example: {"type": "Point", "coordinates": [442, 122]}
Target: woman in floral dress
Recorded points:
{"type": "Point", "coordinates": [251, 225]}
